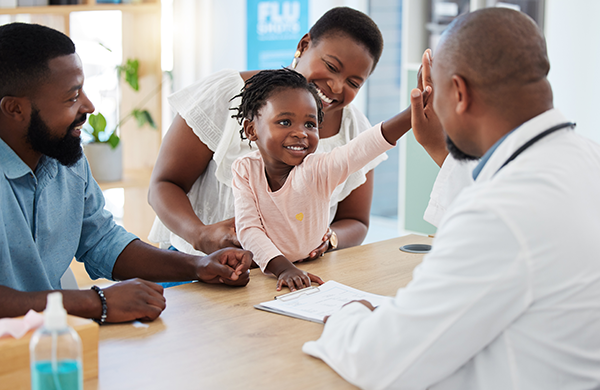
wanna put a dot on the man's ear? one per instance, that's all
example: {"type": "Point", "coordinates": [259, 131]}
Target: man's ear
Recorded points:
{"type": "Point", "coordinates": [250, 130]}
{"type": "Point", "coordinates": [15, 108]}
{"type": "Point", "coordinates": [461, 94]}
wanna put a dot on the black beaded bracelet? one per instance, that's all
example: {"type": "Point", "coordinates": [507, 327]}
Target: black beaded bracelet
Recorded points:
{"type": "Point", "coordinates": [102, 319]}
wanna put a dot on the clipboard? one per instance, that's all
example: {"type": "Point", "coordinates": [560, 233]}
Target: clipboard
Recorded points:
{"type": "Point", "coordinates": [315, 302]}
{"type": "Point", "coordinates": [298, 293]}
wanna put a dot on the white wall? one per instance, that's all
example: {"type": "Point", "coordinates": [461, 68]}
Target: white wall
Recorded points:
{"type": "Point", "coordinates": [229, 28]}
{"type": "Point", "coordinates": [192, 40]}
{"type": "Point", "coordinates": [210, 35]}
{"type": "Point", "coordinates": [573, 40]}
{"type": "Point", "coordinates": [229, 35]}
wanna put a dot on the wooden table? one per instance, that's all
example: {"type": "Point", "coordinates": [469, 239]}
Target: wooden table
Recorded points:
{"type": "Point", "coordinates": [211, 337]}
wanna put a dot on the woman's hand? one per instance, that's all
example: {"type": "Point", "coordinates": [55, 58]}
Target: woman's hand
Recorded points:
{"type": "Point", "coordinates": [211, 238]}
{"type": "Point", "coordinates": [228, 266]}
{"type": "Point", "coordinates": [321, 249]}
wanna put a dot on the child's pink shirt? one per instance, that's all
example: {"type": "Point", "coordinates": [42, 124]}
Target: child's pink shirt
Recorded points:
{"type": "Point", "coordinates": [293, 220]}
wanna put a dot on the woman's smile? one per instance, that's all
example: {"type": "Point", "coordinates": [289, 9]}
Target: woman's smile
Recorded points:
{"type": "Point", "coordinates": [324, 98]}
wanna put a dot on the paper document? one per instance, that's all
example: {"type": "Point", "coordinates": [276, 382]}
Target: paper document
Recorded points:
{"type": "Point", "coordinates": [314, 303]}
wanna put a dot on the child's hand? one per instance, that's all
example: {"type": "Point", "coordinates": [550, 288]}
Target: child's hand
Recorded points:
{"type": "Point", "coordinates": [289, 275]}
{"type": "Point", "coordinates": [296, 279]}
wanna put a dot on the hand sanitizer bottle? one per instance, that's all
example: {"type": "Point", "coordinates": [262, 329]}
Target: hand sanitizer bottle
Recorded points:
{"type": "Point", "coordinates": [55, 351]}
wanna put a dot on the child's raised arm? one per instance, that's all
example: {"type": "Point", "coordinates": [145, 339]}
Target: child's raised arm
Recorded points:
{"type": "Point", "coordinates": [422, 119]}
{"type": "Point", "coordinates": [395, 127]}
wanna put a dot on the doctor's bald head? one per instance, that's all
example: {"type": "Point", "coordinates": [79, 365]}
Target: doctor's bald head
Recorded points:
{"type": "Point", "coordinates": [495, 47]}
{"type": "Point", "coordinates": [491, 63]}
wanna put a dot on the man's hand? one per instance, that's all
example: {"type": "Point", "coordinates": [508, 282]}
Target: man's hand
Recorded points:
{"type": "Point", "coordinates": [229, 266]}
{"type": "Point", "coordinates": [425, 123]}
{"type": "Point", "coordinates": [217, 236]}
{"type": "Point", "coordinates": [133, 299]}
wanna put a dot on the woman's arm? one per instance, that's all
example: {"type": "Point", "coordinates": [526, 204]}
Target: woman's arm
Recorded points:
{"type": "Point", "coordinates": [181, 160]}
{"type": "Point", "coordinates": [351, 221]}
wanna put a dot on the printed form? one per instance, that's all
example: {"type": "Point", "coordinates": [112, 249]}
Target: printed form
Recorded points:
{"type": "Point", "coordinates": [316, 302]}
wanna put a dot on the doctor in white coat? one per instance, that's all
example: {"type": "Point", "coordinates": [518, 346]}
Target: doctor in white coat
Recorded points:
{"type": "Point", "coordinates": [509, 297]}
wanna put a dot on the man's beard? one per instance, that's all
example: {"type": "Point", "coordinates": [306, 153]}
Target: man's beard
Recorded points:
{"type": "Point", "coordinates": [458, 154]}
{"type": "Point", "coordinates": [67, 150]}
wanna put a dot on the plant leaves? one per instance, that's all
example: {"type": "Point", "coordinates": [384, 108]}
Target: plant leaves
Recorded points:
{"type": "Point", "coordinates": [131, 69]}
{"type": "Point", "coordinates": [98, 124]}
{"type": "Point", "coordinates": [104, 46]}
{"type": "Point", "coordinates": [113, 140]}
{"type": "Point", "coordinates": [142, 117]}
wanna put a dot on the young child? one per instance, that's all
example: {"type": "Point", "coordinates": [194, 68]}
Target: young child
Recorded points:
{"type": "Point", "coordinates": [282, 190]}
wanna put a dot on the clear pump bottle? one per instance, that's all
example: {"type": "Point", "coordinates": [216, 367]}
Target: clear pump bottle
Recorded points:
{"type": "Point", "coordinates": [55, 351]}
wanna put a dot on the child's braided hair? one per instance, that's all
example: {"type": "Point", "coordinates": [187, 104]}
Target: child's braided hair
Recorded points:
{"type": "Point", "coordinates": [261, 86]}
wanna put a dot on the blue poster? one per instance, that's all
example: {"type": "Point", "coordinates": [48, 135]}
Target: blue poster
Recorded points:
{"type": "Point", "coordinates": [274, 29]}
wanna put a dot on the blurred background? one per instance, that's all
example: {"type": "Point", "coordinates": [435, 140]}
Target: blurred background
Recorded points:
{"type": "Point", "coordinates": [177, 42]}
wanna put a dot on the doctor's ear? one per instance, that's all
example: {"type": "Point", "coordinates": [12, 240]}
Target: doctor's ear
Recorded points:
{"type": "Point", "coordinates": [462, 94]}
{"type": "Point", "coordinates": [250, 130]}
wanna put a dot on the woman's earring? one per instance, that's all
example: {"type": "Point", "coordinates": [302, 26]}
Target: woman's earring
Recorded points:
{"type": "Point", "coordinates": [295, 60]}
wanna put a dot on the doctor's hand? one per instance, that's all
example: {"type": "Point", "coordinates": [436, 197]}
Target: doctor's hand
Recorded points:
{"type": "Point", "coordinates": [362, 301]}
{"type": "Point", "coordinates": [211, 238]}
{"type": "Point", "coordinates": [424, 81]}
{"type": "Point", "coordinates": [425, 123]}
{"type": "Point", "coordinates": [228, 266]}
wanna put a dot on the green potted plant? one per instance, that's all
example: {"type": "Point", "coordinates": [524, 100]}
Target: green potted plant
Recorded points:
{"type": "Point", "coordinates": [104, 152]}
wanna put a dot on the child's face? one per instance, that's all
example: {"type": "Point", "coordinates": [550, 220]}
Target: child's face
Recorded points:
{"type": "Point", "coordinates": [285, 129]}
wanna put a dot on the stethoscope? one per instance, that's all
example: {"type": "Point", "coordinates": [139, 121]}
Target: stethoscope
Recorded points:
{"type": "Point", "coordinates": [536, 139]}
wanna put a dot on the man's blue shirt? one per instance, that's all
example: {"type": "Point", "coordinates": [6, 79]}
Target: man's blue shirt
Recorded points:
{"type": "Point", "coordinates": [49, 216]}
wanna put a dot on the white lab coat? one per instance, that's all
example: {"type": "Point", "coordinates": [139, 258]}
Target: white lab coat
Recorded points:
{"type": "Point", "coordinates": [509, 297]}
{"type": "Point", "coordinates": [453, 177]}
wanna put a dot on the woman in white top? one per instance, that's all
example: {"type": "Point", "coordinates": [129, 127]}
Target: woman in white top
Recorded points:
{"type": "Point", "coordinates": [190, 189]}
